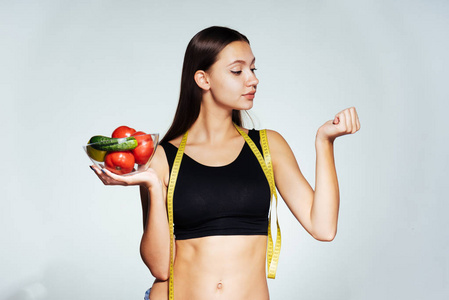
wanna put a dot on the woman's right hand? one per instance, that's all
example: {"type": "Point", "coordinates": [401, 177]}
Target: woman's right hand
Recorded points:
{"type": "Point", "coordinates": [147, 179]}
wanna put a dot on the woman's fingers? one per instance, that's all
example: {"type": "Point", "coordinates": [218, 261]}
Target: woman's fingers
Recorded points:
{"type": "Point", "coordinates": [147, 178]}
{"type": "Point", "coordinates": [349, 121]}
{"type": "Point", "coordinates": [116, 179]}
{"type": "Point", "coordinates": [100, 175]}
{"type": "Point", "coordinates": [107, 177]}
{"type": "Point", "coordinates": [353, 119]}
{"type": "Point", "coordinates": [98, 172]}
{"type": "Point", "coordinates": [345, 122]}
{"type": "Point", "coordinates": [357, 120]}
{"type": "Point", "coordinates": [336, 120]}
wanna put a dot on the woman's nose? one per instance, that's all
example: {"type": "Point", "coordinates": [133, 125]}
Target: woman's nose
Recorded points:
{"type": "Point", "coordinates": [252, 80]}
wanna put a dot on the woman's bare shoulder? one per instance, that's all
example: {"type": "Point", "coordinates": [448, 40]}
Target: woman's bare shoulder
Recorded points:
{"type": "Point", "coordinates": [159, 163]}
{"type": "Point", "coordinates": [276, 140]}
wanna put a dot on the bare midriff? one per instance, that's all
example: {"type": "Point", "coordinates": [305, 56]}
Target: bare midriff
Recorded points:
{"type": "Point", "coordinates": [220, 267]}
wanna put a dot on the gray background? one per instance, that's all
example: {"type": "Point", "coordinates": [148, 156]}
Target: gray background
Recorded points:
{"type": "Point", "coordinates": [73, 69]}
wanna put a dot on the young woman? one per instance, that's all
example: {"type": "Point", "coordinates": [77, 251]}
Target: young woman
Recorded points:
{"type": "Point", "coordinates": [221, 201]}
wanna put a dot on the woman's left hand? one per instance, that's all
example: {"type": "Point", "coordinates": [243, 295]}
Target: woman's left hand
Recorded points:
{"type": "Point", "coordinates": [345, 122]}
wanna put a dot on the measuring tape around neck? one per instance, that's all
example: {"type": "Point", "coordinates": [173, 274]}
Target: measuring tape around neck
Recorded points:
{"type": "Point", "coordinates": [265, 163]}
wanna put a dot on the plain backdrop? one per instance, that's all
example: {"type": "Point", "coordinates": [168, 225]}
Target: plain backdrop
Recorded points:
{"type": "Point", "coordinates": [73, 69]}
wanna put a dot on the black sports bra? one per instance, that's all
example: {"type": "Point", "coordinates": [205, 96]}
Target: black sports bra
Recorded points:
{"type": "Point", "coordinates": [227, 200]}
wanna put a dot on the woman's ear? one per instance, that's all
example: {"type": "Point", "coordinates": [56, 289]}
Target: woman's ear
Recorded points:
{"type": "Point", "coordinates": [202, 80]}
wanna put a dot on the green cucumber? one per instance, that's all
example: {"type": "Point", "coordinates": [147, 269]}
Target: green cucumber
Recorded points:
{"type": "Point", "coordinates": [98, 139]}
{"type": "Point", "coordinates": [105, 143]}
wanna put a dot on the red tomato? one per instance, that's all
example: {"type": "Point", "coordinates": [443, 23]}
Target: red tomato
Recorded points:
{"type": "Point", "coordinates": [120, 162]}
{"type": "Point", "coordinates": [144, 147]}
{"type": "Point", "coordinates": [123, 131]}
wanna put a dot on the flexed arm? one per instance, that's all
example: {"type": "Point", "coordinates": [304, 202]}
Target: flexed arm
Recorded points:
{"type": "Point", "coordinates": [316, 210]}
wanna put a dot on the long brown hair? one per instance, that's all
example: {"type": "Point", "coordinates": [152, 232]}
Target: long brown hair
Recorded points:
{"type": "Point", "coordinates": [201, 53]}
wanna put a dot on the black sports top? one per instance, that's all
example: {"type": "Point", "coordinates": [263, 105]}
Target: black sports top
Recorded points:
{"type": "Point", "coordinates": [226, 200]}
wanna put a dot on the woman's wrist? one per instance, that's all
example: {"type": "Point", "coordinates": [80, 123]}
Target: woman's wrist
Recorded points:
{"type": "Point", "coordinates": [322, 140]}
{"type": "Point", "coordinates": [149, 180]}
{"type": "Point", "coordinates": [154, 188]}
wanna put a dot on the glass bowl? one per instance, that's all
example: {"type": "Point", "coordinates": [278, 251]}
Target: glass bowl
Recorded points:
{"type": "Point", "coordinates": [123, 156]}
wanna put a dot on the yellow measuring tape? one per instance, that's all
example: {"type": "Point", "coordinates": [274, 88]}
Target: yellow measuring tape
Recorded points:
{"type": "Point", "coordinates": [170, 192]}
{"type": "Point", "coordinates": [267, 167]}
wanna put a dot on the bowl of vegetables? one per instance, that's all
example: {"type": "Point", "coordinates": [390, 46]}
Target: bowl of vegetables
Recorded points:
{"type": "Point", "coordinates": [126, 152]}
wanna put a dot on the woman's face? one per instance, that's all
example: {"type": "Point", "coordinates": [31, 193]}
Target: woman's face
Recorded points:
{"type": "Point", "coordinates": [231, 78]}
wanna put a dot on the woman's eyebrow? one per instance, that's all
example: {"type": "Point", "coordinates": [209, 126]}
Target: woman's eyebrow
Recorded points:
{"type": "Point", "coordinates": [240, 61]}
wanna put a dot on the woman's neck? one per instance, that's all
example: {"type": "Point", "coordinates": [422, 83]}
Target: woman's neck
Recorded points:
{"type": "Point", "coordinates": [212, 127]}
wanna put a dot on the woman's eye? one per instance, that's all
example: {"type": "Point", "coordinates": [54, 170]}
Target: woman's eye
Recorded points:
{"type": "Point", "coordinates": [253, 70]}
{"type": "Point", "coordinates": [236, 72]}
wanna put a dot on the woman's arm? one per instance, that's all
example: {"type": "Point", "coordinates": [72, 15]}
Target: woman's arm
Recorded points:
{"type": "Point", "coordinates": [155, 243]}
{"type": "Point", "coordinates": [144, 199]}
{"type": "Point", "coordinates": [316, 210]}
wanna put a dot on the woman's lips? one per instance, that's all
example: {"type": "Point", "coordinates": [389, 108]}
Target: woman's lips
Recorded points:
{"type": "Point", "coordinates": [250, 96]}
